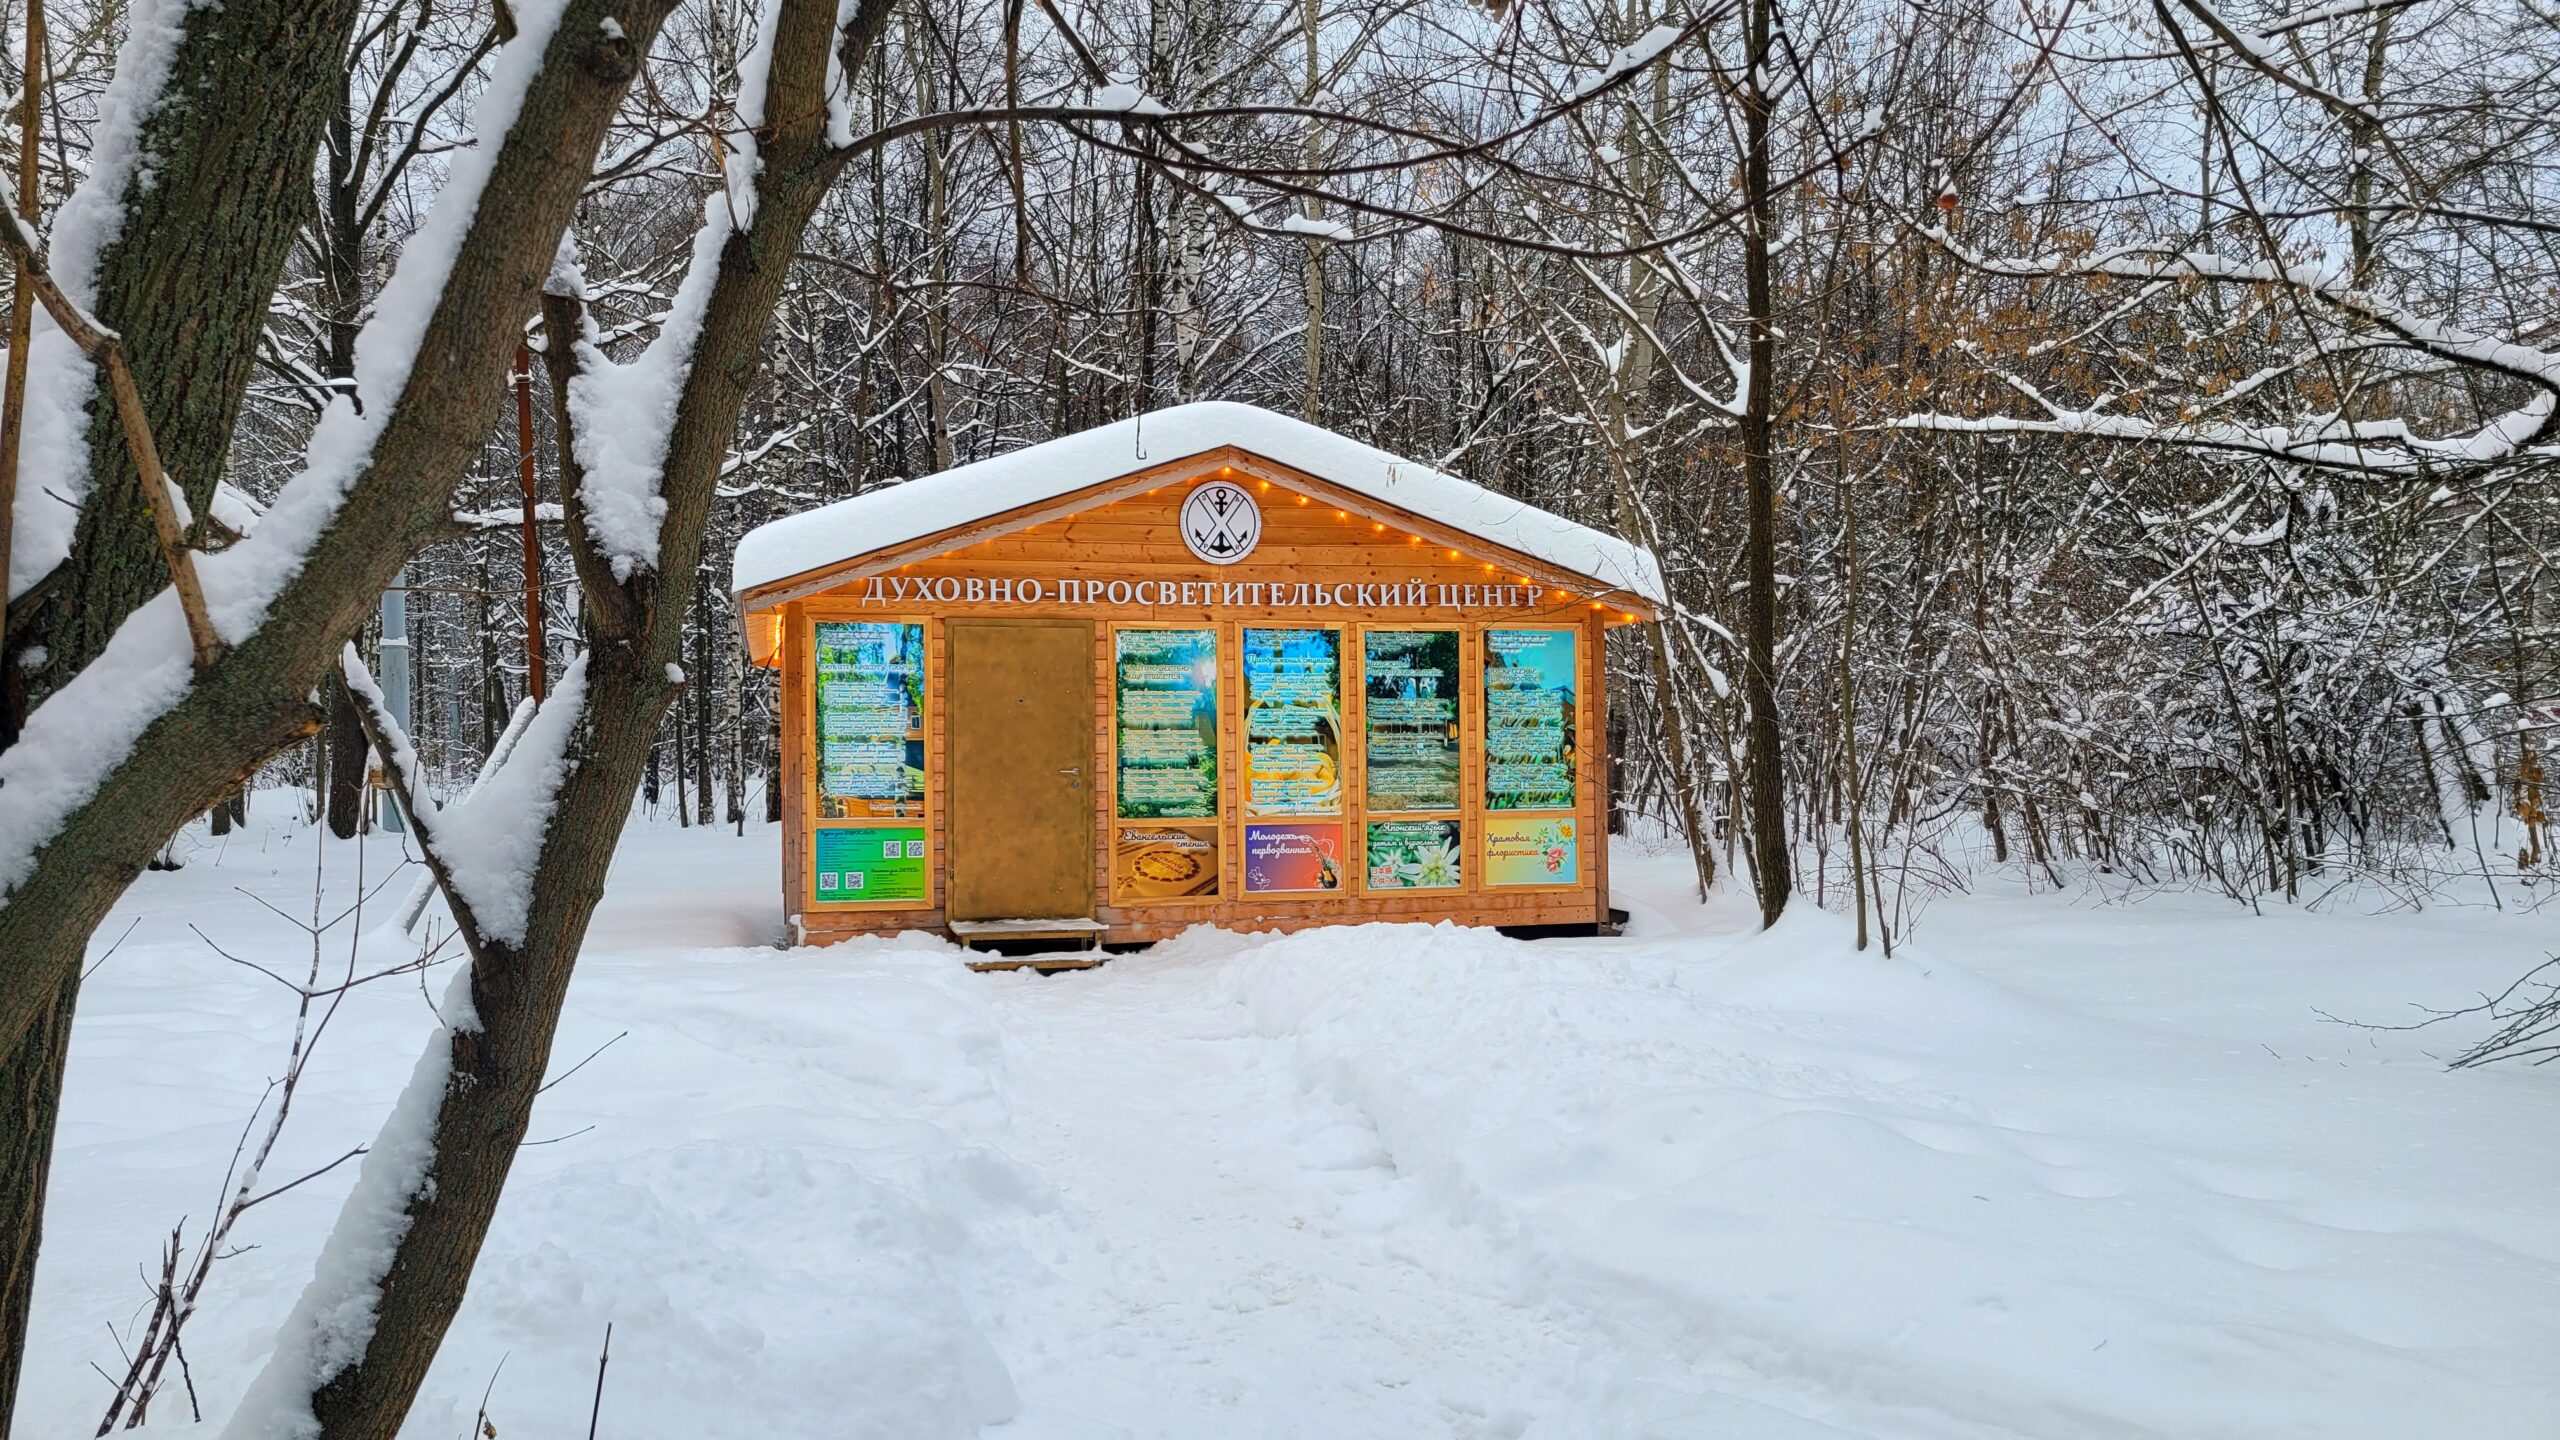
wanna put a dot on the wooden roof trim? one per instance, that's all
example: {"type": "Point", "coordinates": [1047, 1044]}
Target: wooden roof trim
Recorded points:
{"type": "Point", "coordinates": [1138, 482]}
{"type": "Point", "coordinates": [1395, 517]}
{"type": "Point", "coordinates": [960, 537]}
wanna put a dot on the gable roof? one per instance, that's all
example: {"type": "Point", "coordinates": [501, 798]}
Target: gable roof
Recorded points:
{"type": "Point", "coordinates": [895, 515]}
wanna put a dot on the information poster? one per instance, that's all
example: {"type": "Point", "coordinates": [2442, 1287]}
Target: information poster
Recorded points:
{"type": "Point", "coordinates": [1165, 692]}
{"type": "Point", "coordinates": [1411, 681]}
{"type": "Point", "coordinates": [868, 864]}
{"type": "Point", "coordinates": [870, 720]}
{"type": "Point", "coordinates": [1522, 851]}
{"type": "Point", "coordinates": [1415, 855]}
{"type": "Point", "coordinates": [1284, 858]}
{"type": "Point", "coordinates": [1529, 682]}
{"type": "Point", "coordinates": [1164, 862]}
{"type": "Point", "coordinates": [1293, 721]}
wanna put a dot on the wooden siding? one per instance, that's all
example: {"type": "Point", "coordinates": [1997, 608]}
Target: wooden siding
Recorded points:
{"type": "Point", "coordinates": [1134, 538]}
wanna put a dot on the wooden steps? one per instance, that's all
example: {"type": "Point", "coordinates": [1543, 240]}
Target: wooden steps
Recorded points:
{"type": "Point", "coordinates": [1083, 931]}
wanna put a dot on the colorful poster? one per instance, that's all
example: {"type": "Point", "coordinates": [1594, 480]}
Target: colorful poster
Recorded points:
{"type": "Point", "coordinates": [1529, 684]}
{"type": "Point", "coordinates": [1293, 721]}
{"type": "Point", "coordinates": [1165, 695]}
{"type": "Point", "coordinates": [1531, 852]}
{"type": "Point", "coordinates": [1164, 862]}
{"type": "Point", "coordinates": [870, 720]}
{"type": "Point", "coordinates": [1411, 682]}
{"type": "Point", "coordinates": [1415, 855]}
{"type": "Point", "coordinates": [867, 864]}
{"type": "Point", "coordinates": [1283, 858]}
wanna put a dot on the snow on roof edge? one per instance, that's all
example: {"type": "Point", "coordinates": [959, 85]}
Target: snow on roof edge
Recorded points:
{"type": "Point", "coordinates": [929, 504]}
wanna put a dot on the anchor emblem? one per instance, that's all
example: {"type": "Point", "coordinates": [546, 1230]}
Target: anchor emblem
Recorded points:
{"type": "Point", "coordinates": [1221, 523]}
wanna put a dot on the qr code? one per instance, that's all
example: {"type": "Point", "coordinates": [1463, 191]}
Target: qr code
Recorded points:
{"type": "Point", "coordinates": [889, 849]}
{"type": "Point", "coordinates": [915, 849]}
{"type": "Point", "coordinates": [826, 879]}
{"type": "Point", "coordinates": [853, 879]}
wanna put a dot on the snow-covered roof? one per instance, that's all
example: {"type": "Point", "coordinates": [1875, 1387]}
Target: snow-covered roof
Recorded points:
{"type": "Point", "coordinates": [928, 505]}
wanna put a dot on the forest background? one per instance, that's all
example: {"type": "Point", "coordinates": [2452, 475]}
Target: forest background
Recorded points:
{"type": "Point", "coordinates": [2112, 439]}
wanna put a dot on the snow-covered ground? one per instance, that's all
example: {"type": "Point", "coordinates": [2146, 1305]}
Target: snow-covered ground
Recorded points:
{"type": "Point", "coordinates": [2065, 1169]}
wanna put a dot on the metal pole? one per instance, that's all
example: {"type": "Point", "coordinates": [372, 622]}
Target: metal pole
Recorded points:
{"type": "Point", "coordinates": [394, 660]}
{"type": "Point", "coordinates": [535, 683]}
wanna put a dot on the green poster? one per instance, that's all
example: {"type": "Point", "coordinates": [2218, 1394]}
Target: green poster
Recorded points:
{"type": "Point", "coordinates": [1529, 683]}
{"type": "Point", "coordinates": [870, 720]}
{"type": "Point", "coordinates": [867, 864]}
{"type": "Point", "coordinates": [1293, 721]}
{"type": "Point", "coordinates": [1165, 700]}
{"type": "Point", "coordinates": [1411, 680]}
{"type": "Point", "coordinates": [1415, 855]}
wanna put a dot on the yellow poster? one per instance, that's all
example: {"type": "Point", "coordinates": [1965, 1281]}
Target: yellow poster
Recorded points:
{"type": "Point", "coordinates": [1164, 862]}
{"type": "Point", "coordinates": [1531, 851]}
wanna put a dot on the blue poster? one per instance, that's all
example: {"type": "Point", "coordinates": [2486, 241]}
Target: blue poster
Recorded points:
{"type": "Point", "coordinates": [1529, 719]}
{"type": "Point", "coordinates": [870, 719]}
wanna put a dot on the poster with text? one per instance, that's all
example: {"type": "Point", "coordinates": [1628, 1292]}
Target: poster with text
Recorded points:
{"type": "Point", "coordinates": [1280, 859]}
{"type": "Point", "coordinates": [868, 864]}
{"type": "Point", "coordinates": [1415, 855]}
{"type": "Point", "coordinates": [1529, 683]}
{"type": "Point", "coordinates": [1165, 695]}
{"type": "Point", "coordinates": [1524, 851]}
{"type": "Point", "coordinates": [870, 720]}
{"type": "Point", "coordinates": [1164, 862]}
{"type": "Point", "coordinates": [1411, 682]}
{"type": "Point", "coordinates": [1293, 721]}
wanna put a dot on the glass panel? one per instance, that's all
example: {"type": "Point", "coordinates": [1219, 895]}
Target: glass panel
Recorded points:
{"type": "Point", "coordinates": [1529, 682]}
{"type": "Point", "coordinates": [870, 720]}
{"type": "Point", "coordinates": [1411, 679]}
{"type": "Point", "coordinates": [1293, 721]}
{"type": "Point", "coordinates": [1165, 696]}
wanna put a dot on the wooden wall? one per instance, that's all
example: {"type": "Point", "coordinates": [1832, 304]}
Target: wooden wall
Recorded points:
{"type": "Point", "coordinates": [1311, 535]}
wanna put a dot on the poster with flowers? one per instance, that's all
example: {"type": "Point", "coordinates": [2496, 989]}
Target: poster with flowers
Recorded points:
{"type": "Point", "coordinates": [1531, 852]}
{"type": "Point", "coordinates": [1414, 855]}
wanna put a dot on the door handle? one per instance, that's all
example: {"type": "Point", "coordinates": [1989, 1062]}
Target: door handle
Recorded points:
{"type": "Point", "coordinates": [1072, 770]}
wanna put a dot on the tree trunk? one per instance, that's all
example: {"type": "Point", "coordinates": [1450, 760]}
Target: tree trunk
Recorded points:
{"type": "Point", "coordinates": [1764, 761]}
{"type": "Point", "coordinates": [733, 753]}
{"type": "Point", "coordinates": [494, 708]}
{"type": "Point", "coordinates": [252, 699]}
{"type": "Point", "coordinates": [651, 783]}
{"type": "Point", "coordinates": [772, 746]}
{"type": "Point", "coordinates": [186, 283]}
{"type": "Point", "coordinates": [30, 1101]}
{"type": "Point", "coordinates": [638, 625]}
{"type": "Point", "coordinates": [703, 685]}
{"type": "Point", "coordinates": [1630, 386]}
{"type": "Point", "coordinates": [348, 762]}
{"type": "Point", "coordinates": [1311, 393]}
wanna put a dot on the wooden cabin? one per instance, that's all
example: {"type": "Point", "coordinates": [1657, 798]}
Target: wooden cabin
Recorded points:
{"type": "Point", "coordinates": [1210, 665]}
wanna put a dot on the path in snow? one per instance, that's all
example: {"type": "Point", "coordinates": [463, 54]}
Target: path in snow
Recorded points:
{"type": "Point", "coordinates": [1223, 1248]}
{"type": "Point", "coordinates": [1235, 1256]}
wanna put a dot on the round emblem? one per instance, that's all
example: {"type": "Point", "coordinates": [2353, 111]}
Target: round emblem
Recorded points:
{"type": "Point", "coordinates": [1220, 522]}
